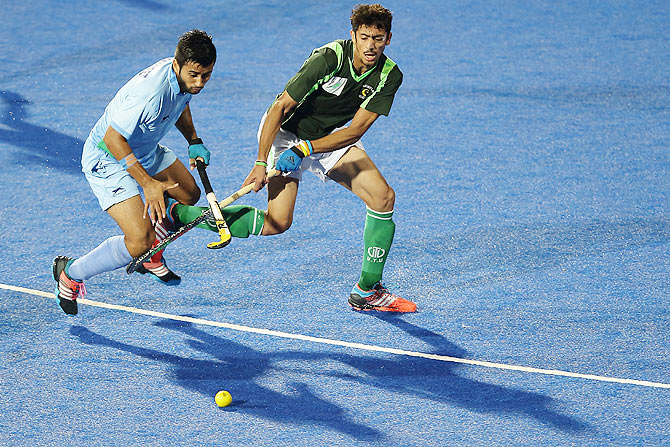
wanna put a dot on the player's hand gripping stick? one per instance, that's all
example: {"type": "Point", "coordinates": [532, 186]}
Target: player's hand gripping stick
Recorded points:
{"type": "Point", "coordinates": [206, 214]}
{"type": "Point", "coordinates": [221, 226]}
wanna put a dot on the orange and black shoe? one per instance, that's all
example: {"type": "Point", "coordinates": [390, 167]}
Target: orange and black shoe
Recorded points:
{"type": "Point", "coordinates": [68, 289]}
{"type": "Point", "coordinates": [379, 298]}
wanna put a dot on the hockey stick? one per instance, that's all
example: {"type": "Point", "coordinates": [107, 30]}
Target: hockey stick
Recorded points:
{"type": "Point", "coordinates": [206, 214]}
{"type": "Point", "coordinates": [221, 225]}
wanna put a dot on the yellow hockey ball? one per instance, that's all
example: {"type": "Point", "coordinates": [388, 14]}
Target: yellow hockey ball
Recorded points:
{"type": "Point", "coordinates": [223, 398]}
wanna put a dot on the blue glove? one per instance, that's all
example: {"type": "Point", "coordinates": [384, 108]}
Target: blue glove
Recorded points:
{"type": "Point", "coordinates": [197, 149]}
{"type": "Point", "coordinates": [290, 159]}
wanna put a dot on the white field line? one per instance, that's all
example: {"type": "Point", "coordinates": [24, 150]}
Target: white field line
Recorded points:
{"type": "Point", "coordinates": [327, 341]}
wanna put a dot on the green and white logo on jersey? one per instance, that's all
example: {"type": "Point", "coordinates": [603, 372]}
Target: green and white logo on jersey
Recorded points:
{"type": "Point", "coordinates": [335, 85]}
{"type": "Point", "coordinates": [366, 91]}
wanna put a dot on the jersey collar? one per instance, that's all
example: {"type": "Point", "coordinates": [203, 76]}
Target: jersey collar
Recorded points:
{"type": "Point", "coordinates": [356, 77]}
{"type": "Point", "coordinates": [172, 77]}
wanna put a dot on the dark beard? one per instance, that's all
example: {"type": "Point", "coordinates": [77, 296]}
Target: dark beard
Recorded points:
{"type": "Point", "coordinates": [182, 85]}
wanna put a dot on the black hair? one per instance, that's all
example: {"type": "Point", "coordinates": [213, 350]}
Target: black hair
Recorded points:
{"type": "Point", "coordinates": [371, 15]}
{"type": "Point", "coordinates": [195, 46]}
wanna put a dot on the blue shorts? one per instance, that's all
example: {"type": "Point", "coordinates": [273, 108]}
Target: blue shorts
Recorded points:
{"type": "Point", "coordinates": [112, 184]}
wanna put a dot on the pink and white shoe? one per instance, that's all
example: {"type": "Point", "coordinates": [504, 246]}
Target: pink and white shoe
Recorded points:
{"type": "Point", "coordinates": [68, 289]}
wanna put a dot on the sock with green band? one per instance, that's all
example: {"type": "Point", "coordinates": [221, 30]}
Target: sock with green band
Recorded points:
{"type": "Point", "coordinates": [378, 237]}
{"type": "Point", "coordinates": [242, 220]}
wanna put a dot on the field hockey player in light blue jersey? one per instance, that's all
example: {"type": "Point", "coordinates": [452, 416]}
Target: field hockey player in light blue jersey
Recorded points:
{"type": "Point", "coordinates": [122, 155]}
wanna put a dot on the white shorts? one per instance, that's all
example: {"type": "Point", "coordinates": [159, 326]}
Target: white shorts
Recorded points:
{"type": "Point", "coordinates": [112, 184]}
{"type": "Point", "coordinates": [317, 164]}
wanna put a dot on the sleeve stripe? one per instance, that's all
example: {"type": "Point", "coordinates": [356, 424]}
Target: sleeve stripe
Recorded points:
{"type": "Point", "coordinates": [339, 52]}
{"type": "Point", "coordinates": [386, 69]}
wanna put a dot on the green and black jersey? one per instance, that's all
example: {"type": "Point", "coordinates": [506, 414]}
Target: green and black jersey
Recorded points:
{"type": "Point", "coordinates": [329, 92]}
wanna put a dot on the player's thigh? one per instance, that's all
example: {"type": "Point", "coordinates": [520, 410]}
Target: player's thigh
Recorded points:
{"type": "Point", "coordinates": [358, 173]}
{"type": "Point", "coordinates": [138, 230]}
{"type": "Point", "coordinates": [282, 193]}
{"type": "Point", "coordinates": [188, 191]}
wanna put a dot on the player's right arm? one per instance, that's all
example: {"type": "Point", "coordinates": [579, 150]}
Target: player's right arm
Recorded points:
{"type": "Point", "coordinates": [278, 111]}
{"type": "Point", "coordinates": [321, 62]}
{"type": "Point", "coordinates": [153, 189]}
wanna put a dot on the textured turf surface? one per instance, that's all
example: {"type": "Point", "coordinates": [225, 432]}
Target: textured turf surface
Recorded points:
{"type": "Point", "coordinates": [528, 148]}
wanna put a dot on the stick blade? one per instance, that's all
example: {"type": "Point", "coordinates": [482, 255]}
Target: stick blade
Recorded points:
{"type": "Point", "coordinates": [218, 244]}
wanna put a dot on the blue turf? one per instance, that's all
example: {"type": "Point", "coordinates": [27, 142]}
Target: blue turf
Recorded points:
{"type": "Point", "coordinates": [528, 148]}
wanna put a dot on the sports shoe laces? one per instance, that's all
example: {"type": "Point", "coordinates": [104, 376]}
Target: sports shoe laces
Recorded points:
{"type": "Point", "coordinates": [381, 288]}
{"type": "Point", "coordinates": [70, 288]}
{"type": "Point", "coordinates": [382, 296]}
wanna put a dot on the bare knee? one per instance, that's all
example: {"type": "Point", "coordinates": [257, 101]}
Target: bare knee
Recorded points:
{"type": "Point", "coordinates": [192, 196]}
{"type": "Point", "coordinates": [383, 200]}
{"type": "Point", "coordinates": [187, 196]}
{"type": "Point", "coordinates": [140, 243]}
{"type": "Point", "coordinates": [276, 226]}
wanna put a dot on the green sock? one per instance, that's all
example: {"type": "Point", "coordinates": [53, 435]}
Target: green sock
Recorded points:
{"type": "Point", "coordinates": [186, 214]}
{"type": "Point", "coordinates": [242, 220]}
{"type": "Point", "coordinates": [378, 237]}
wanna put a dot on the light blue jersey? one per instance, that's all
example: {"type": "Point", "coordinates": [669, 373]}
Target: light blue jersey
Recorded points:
{"type": "Point", "coordinates": [143, 111]}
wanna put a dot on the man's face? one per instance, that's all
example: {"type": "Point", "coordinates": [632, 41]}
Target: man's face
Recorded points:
{"type": "Point", "coordinates": [192, 76]}
{"type": "Point", "coordinates": [369, 44]}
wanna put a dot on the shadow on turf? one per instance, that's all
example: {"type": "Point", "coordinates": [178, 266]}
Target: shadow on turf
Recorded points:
{"type": "Point", "coordinates": [36, 144]}
{"type": "Point", "coordinates": [238, 366]}
{"type": "Point", "coordinates": [464, 392]}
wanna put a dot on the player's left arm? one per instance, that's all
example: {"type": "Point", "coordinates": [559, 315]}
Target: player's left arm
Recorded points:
{"type": "Point", "coordinates": [360, 124]}
{"type": "Point", "coordinates": [378, 104]}
{"type": "Point", "coordinates": [196, 149]}
{"type": "Point", "coordinates": [291, 159]}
